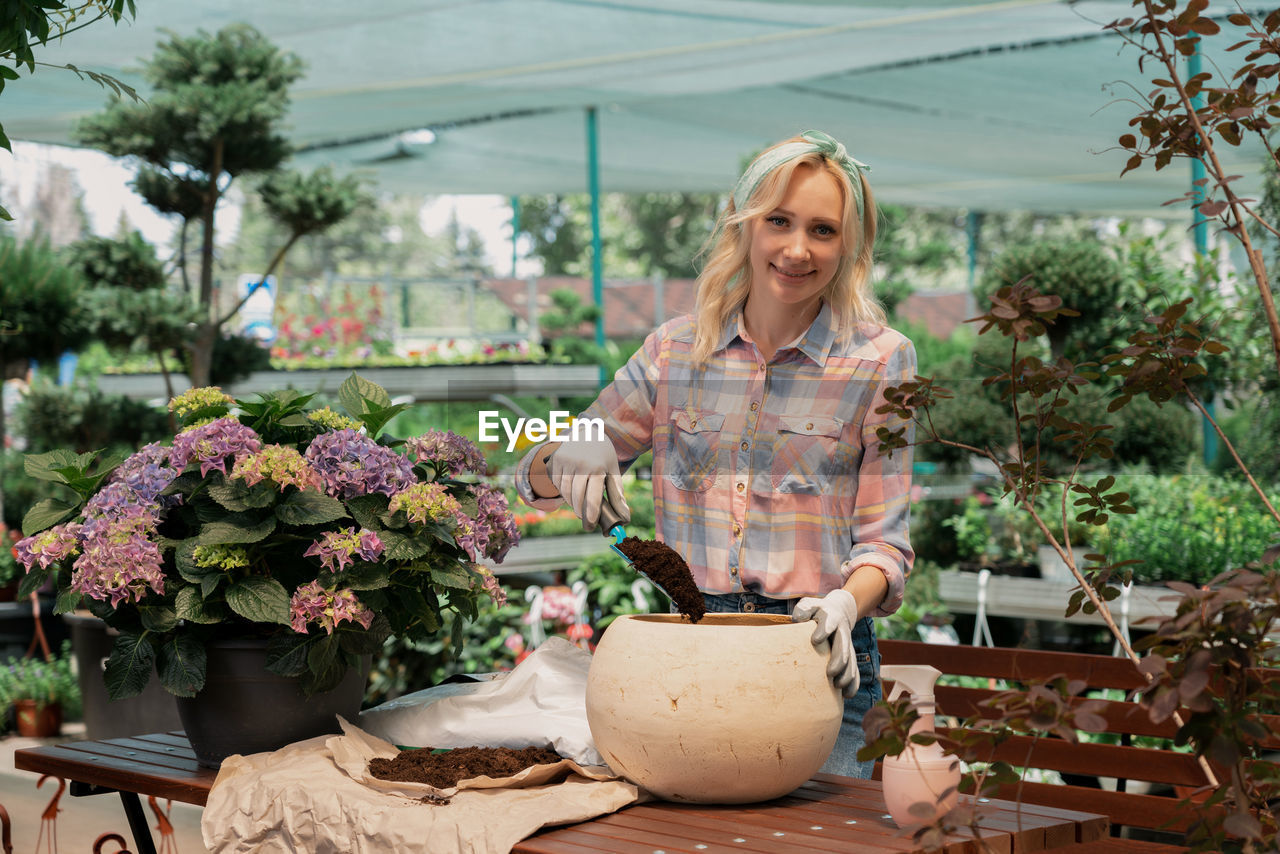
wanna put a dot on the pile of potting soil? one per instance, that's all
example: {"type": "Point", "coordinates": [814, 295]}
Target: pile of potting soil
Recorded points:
{"type": "Point", "coordinates": [669, 571]}
{"type": "Point", "coordinates": [444, 770]}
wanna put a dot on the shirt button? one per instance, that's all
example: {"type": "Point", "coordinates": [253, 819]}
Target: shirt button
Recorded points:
{"type": "Point", "coordinates": [734, 571]}
{"type": "Point", "coordinates": [737, 530]}
{"type": "Point", "coordinates": [745, 446]}
{"type": "Point", "coordinates": [809, 426]}
{"type": "Point", "coordinates": [754, 406]}
{"type": "Point", "coordinates": [693, 422]}
{"type": "Point", "coordinates": [741, 487]}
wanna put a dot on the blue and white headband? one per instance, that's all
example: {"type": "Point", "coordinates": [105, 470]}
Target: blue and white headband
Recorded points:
{"type": "Point", "coordinates": [815, 142]}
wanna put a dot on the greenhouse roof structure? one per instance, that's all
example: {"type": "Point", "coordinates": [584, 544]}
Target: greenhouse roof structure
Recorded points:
{"type": "Point", "coordinates": [982, 105]}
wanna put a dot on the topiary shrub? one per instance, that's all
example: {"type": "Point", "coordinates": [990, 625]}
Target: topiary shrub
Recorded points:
{"type": "Point", "coordinates": [1084, 273]}
{"type": "Point", "coordinates": [86, 419]}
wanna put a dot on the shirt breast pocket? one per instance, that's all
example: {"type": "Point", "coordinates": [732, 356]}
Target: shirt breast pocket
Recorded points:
{"type": "Point", "coordinates": [806, 454]}
{"type": "Point", "coordinates": [695, 449]}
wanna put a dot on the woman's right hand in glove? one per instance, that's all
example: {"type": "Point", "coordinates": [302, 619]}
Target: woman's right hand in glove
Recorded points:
{"type": "Point", "coordinates": [585, 472]}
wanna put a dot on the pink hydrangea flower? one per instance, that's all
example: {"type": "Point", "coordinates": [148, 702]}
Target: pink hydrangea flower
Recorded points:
{"type": "Point", "coordinates": [48, 547]}
{"type": "Point", "coordinates": [450, 453]}
{"type": "Point", "coordinates": [489, 583]}
{"type": "Point", "coordinates": [336, 549]}
{"type": "Point", "coordinates": [311, 603]}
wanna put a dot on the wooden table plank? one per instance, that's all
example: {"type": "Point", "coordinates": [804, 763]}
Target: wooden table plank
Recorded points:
{"type": "Point", "coordinates": [162, 765]}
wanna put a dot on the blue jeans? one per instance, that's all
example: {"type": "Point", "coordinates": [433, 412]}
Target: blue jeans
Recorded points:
{"type": "Point", "coordinates": [844, 757]}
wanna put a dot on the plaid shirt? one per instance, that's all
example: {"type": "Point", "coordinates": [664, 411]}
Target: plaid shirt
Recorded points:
{"type": "Point", "coordinates": [767, 477]}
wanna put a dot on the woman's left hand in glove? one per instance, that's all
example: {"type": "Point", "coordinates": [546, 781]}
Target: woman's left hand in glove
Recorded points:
{"type": "Point", "coordinates": [834, 616]}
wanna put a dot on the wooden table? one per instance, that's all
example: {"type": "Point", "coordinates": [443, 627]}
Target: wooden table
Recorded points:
{"type": "Point", "coordinates": [828, 813]}
{"type": "Point", "coordinates": [160, 764]}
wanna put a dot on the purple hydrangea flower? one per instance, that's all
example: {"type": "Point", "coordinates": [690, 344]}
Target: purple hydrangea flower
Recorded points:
{"type": "Point", "coordinates": [450, 453]}
{"type": "Point", "coordinates": [351, 464]}
{"type": "Point", "coordinates": [336, 549]}
{"type": "Point", "coordinates": [120, 560]}
{"type": "Point", "coordinates": [148, 473]}
{"type": "Point", "coordinates": [311, 603]}
{"type": "Point", "coordinates": [493, 531]}
{"type": "Point", "coordinates": [212, 443]}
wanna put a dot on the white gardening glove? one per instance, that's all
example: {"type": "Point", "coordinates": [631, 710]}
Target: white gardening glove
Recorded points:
{"type": "Point", "coordinates": [834, 615]}
{"type": "Point", "coordinates": [586, 474]}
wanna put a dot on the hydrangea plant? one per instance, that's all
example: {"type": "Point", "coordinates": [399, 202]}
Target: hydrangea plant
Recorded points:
{"type": "Point", "coordinates": [274, 520]}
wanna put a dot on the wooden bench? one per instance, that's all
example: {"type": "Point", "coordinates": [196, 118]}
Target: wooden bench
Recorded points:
{"type": "Point", "coordinates": [1082, 762]}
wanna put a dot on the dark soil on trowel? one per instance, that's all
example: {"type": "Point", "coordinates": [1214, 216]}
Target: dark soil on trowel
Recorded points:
{"type": "Point", "coordinates": [664, 566]}
{"type": "Point", "coordinates": [444, 770]}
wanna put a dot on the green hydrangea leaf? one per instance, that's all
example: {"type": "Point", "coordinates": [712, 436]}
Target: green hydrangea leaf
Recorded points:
{"type": "Point", "coordinates": [452, 576]}
{"type": "Point", "coordinates": [182, 665]}
{"type": "Point", "coordinates": [287, 654]}
{"type": "Point", "coordinates": [367, 510]}
{"type": "Point", "coordinates": [32, 581]}
{"type": "Point", "coordinates": [129, 666]}
{"type": "Point", "coordinates": [47, 513]}
{"type": "Point", "coordinates": [191, 606]}
{"type": "Point", "coordinates": [398, 546]}
{"type": "Point", "coordinates": [325, 666]}
{"type": "Point", "coordinates": [308, 507]}
{"type": "Point", "coordinates": [67, 601]}
{"type": "Point", "coordinates": [355, 391]}
{"type": "Point", "coordinates": [236, 495]}
{"type": "Point", "coordinates": [363, 576]}
{"type": "Point", "coordinates": [222, 532]}
{"type": "Point", "coordinates": [158, 618]}
{"type": "Point", "coordinates": [365, 642]}
{"type": "Point", "coordinates": [263, 600]}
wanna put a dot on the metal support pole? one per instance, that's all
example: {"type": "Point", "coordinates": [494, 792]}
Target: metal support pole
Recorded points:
{"type": "Point", "coordinates": [597, 262]}
{"type": "Point", "coordinates": [515, 231]}
{"type": "Point", "coordinates": [1200, 229]}
{"type": "Point", "coordinates": [972, 231]}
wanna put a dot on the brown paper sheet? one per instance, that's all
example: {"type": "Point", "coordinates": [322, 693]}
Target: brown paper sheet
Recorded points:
{"type": "Point", "coordinates": [316, 796]}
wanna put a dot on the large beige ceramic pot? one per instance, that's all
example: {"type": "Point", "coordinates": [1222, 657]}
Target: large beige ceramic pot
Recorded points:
{"type": "Point", "coordinates": [735, 709]}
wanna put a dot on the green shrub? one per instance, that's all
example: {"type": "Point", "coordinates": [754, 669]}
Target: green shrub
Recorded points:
{"type": "Point", "coordinates": [1188, 527]}
{"type": "Point", "coordinates": [86, 419]}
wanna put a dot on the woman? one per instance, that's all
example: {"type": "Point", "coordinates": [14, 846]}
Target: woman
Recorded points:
{"type": "Point", "coordinates": [761, 411]}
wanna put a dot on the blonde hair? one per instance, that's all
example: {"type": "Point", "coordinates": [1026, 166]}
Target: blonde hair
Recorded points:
{"type": "Point", "coordinates": [725, 279]}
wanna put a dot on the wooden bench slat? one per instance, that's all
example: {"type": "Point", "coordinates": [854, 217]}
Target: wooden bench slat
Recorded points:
{"type": "Point", "coordinates": [1022, 665]}
{"type": "Point", "coordinates": [1101, 760]}
{"type": "Point", "coordinates": [1124, 808]}
{"type": "Point", "coordinates": [1122, 716]}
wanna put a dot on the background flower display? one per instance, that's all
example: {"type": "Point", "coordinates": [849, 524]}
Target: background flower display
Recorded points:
{"type": "Point", "coordinates": [270, 519]}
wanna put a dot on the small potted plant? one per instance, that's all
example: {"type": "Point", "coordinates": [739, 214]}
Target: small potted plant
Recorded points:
{"type": "Point", "coordinates": [269, 538]}
{"type": "Point", "coordinates": [41, 692]}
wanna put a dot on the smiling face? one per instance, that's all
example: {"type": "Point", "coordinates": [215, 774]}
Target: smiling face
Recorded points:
{"type": "Point", "coordinates": [795, 248]}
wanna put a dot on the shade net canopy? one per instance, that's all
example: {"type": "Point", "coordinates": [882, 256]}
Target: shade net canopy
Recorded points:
{"type": "Point", "coordinates": [981, 105]}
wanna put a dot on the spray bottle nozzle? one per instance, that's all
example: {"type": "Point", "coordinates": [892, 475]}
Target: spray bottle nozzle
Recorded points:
{"type": "Point", "coordinates": [915, 679]}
